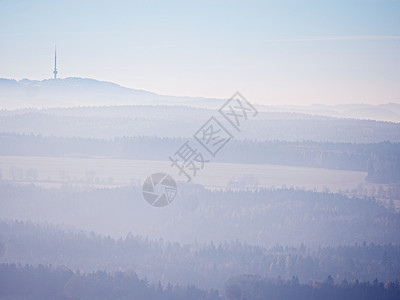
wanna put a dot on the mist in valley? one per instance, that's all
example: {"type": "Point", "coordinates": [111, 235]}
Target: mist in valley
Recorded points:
{"type": "Point", "coordinates": [295, 201]}
{"type": "Point", "coordinates": [131, 169]}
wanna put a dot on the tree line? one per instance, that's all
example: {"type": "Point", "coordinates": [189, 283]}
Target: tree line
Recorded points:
{"type": "Point", "coordinates": [44, 282]}
{"type": "Point", "coordinates": [258, 288]}
{"type": "Point", "coordinates": [169, 121]}
{"type": "Point", "coordinates": [207, 265]}
{"type": "Point", "coordinates": [380, 160]}
{"type": "Point", "coordinates": [48, 282]}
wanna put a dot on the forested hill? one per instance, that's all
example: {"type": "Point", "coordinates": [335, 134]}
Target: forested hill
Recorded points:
{"type": "Point", "coordinates": [179, 266]}
{"type": "Point", "coordinates": [380, 160]}
{"type": "Point", "coordinates": [263, 217]}
{"type": "Point", "coordinates": [182, 121]}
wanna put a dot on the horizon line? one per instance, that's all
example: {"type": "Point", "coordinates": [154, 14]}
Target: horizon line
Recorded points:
{"type": "Point", "coordinates": [339, 38]}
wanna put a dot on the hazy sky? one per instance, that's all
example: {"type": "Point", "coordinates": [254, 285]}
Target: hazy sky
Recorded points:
{"type": "Point", "coordinates": [273, 52]}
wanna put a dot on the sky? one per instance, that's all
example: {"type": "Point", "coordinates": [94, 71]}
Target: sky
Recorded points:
{"type": "Point", "coordinates": [273, 52]}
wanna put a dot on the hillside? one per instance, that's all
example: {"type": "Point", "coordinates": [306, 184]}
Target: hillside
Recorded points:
{"type": "Point", "coordinates": [75, 91]}
{"type": "Point", "coordinates": [78, 92]}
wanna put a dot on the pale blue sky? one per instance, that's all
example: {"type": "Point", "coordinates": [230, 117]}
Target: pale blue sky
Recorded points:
{"type": "Point", "coordinates": [273, 52]}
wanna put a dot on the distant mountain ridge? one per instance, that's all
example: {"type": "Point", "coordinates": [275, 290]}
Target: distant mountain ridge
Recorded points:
{"type": "Point", "coordinates": [389, 112]}
{"type": "Point", "coordinates": [79, 92]}
{"type": "Point", "coordinates": [74, 91]}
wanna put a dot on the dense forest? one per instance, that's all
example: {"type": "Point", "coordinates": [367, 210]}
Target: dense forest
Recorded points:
{"type": "Point", "coordinates": [265, 217]}
{"type": "Point", "coordinates": [170, 269]}
{"type": "Point", "coordinates": [47, 282]}
{"type": "Point", "coordinates": [207, 265]}
{"type": "Point", "coordinates": [258, 288]}
{"type": "Point", "coordinates": [380, 160]}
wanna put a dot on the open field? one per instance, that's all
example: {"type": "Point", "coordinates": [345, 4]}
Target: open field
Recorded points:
{"type": "Point", "coordinates": [108, 173]}
{"type": "Point", "coordinates": [50, 171]}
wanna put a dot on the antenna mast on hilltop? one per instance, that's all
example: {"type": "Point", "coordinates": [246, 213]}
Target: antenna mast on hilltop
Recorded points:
{"type": "Point", "coordinates": [55, 63]}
